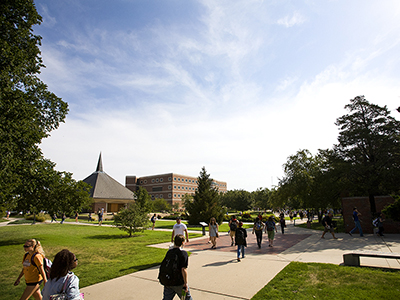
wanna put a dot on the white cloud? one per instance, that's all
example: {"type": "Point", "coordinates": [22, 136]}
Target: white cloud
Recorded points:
{"type": "Point", "coordinates": [295, 19]}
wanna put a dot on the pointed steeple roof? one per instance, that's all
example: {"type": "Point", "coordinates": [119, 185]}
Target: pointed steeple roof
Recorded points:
{"type": "Point", "coordinates": [99, 165]}
{"type": "Point", "coordinates": [106, 187]}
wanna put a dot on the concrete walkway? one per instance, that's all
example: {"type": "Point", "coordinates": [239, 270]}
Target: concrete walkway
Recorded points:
{"type": "Point", "coordinates": [217, 275]}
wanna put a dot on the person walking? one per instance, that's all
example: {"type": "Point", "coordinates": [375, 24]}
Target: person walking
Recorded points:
{"type": "Point", "coordinates": [32, 269]}
{"type": "Point", "coordinates": [271, 229]}
{"type": "Point", "coordinates": [240, 240]}
{"type": "Point", "coordinates": [63, 218]}
{"type": "Point", "coordinates": [233, 225]}
{"type": "Point", "coordinates": [175, 280]}
{"type": "Point", "coordinates": [61, 278]}
{"type": "Point", "coordinates": [356, 215]}
{"type": "Point", "coordinates": [379, 223]}
{"type": "Point", "coordinates": [327, 221]}
{"type": "Point", "coordinates": [100, 214]}
{"type": "Point", "coordinates": [76, 217]}
{"type": "Point", "coordinates": [153, 220]}
{"type": "Point", "coordinates": [54, 218]}
{"type": "Point", "coordinates": [213, 232]}
{"type": "Point", "coordinates": [179, 228]}
{"type": "Point", "coordinates": [282, 222]}
{"type": "Point", "coordinates": [258, 229]}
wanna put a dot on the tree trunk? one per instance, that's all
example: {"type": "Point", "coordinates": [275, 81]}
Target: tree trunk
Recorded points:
{"type": "Point", "coordinates": [372, 203]}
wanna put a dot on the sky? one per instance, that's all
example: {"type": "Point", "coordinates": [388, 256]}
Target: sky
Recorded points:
{"type": "Point", "coordinates": [235, 86]}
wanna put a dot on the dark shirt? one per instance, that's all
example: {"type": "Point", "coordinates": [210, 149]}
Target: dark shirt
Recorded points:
{"type": "Point", "coordinates": [239, 232]}
{"type": "Point", "coordinates": [328, 220]}
{"type": "Point", "coordinates": [183, 262]}
{"type": "Point", "coordinates": [355, 216]}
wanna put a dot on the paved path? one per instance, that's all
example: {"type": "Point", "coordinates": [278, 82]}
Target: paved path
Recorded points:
{"type": "Point", "coordinates": [217, 275]}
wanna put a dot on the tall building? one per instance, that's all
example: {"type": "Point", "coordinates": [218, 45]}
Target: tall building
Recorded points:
{"type": "Point", "coordinates": [171, 186]}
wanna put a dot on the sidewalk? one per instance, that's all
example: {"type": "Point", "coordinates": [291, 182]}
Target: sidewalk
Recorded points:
{"type": "Point", "coordinates": [217, 275]}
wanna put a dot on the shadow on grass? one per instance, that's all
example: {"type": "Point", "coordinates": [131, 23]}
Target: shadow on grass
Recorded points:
{"type": "Point", "coordinates": [112, 237]}
{"type": "Point", "coordinates": [139, 268]}
{"type": "Point", "coordinates": [12, 242]}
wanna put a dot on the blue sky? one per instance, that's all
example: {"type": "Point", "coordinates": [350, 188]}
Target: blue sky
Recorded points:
{"type": "Point", "coordinates": [235, 86]}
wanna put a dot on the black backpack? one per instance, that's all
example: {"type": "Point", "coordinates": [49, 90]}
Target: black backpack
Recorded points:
{"type": "Point", "coordinates": [239, 237]}
{"type": "Point", "coordinates": [170, 273]}
{"type": "Point", "coordinates": [233, 225]}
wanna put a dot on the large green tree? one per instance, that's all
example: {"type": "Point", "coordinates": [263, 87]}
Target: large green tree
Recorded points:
{"type": "Point", "coordinates": [29, 112]}
{"type": "Point", "coordinates": [238, 200]}
{"type": "Point", "coordinates": [206, 201]}
{"type": "Point", "coordinates": [368, 151]}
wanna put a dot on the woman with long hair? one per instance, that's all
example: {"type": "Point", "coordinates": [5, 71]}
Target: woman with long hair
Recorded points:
{"type": "Point", "coordinates": [32, 269]}
{"type": "Point", "coordinates": [213, 232]}
{"type": "Point", "coordinates": [61, 276]}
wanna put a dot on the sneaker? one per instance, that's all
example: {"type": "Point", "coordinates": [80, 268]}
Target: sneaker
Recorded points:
{"type": "Point", "coordinates": [238, 259]}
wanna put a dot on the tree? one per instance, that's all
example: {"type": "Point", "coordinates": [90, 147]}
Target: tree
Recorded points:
{"type": "Point", "coordinates": [161, 204]}
{"type": "Point", "coordinates": [206, 201]}
{"type": "Point", "coordinates": [309, 181]}
{"type": "Point", "coordinates": [143, 200]}
{"type": "Point", "coordinates": [237, 199]}
{"type": "Point", "coordinates": [262, 198]}
{"type": "Point", "coordinates": [369, 149]}
{"type": "Point", "coordinates": [28, 110]}
{"type": "Point", "coordinates": [392, 211]}
{"type": "Point", "coordinates": [132, 219]}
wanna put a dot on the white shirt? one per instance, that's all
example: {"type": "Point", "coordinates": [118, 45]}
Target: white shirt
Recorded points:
{"type": "Point", "coordinates": [179, 229]}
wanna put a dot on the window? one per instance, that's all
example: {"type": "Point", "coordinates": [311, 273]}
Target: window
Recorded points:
{"type": "Point", "coordinates": [169, 178]}
{"type": "Point", "coordinates": [161, 180]}
{"type": "Point", "coordinates": [179, 187]}
{"type": "Point", "coordinates": [169, 195]}
{"type": "Point", "coordinates": [145, 181]}
{"type": "Point", "coordinates": [170, 187]}
{"type": "Point", "coordinates": [179, 179]}
{"type": "Point", "coordinates": [157, 189]}
{"type": "Point", "coordinates": [174, 186]}
{"type": "Point", "coordinates": [186, 179]}
{"type": "Point", "coordinates": [174, 178]}
{"type": "Point", "coordinates": [152, 181]}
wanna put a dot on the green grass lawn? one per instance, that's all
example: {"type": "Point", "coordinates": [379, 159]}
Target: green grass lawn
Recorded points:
{"type": "Point", "coordinates": [103, 252]}
{"type": "Point", "coordinates": [328, 281]}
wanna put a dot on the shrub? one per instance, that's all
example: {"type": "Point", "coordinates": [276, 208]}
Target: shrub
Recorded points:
{"type": "Point", "coordinates": [38, 218]}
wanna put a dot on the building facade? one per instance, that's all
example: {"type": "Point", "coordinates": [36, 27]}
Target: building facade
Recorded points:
{"type": "Point", "coordinates": [171, 186]}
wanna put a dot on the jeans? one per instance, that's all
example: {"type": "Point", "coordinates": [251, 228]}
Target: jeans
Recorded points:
{"type": "Point", "coordinates": [170, 291]}
{"type": "Point", "coordinates": [358, 225]}
{"type": "Point", "coordinates": [259, 237]}
{"type": "Point", "coordinates": [240, 248]}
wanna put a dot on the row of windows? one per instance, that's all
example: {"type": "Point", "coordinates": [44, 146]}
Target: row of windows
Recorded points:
{"type": "Point", "coordinates": [169, 196]}
{"type": "Point", "coordinates": [155, 180]}
{"type": "Point", "coordinates": [185, 180]}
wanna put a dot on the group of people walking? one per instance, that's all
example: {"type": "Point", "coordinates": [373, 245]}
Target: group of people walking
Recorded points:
{"type": "Point", "coordinates": [60, 278]}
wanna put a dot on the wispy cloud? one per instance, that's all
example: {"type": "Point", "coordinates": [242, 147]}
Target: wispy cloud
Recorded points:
{"type": "Point", "coordinates": [292, 20]}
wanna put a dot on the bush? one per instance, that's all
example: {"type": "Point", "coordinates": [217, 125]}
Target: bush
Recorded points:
{"type": "Point", "coordinates": [38, 218]}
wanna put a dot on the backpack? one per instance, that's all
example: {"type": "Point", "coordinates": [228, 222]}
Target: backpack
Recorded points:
{"type": "Point", "coordinates": [270, 226]}
{"type": "Point", "coordinates": [47, 263]}
{"type": "Point", "coordinates": [239, 237]}
{"type": "Point", "coordinates": [169, 273]}
{"type": "Point", "coordinates": [375, 222]}
{"type": "Point", "coordinates": [233, 225]}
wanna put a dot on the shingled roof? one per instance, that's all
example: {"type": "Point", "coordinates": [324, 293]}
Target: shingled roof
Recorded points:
{"type": "Point", "coordinates": [105, 187]}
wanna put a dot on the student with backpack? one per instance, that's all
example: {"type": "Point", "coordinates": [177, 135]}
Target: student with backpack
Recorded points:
{"type": "Point", "coordinates": [258, 229]}
{"type": "Point", "coordinates": [233, 225]}
{"type": "Point", "coordinates": [271, 229]}
{"type": "Point", "coordinates": [240, 240]}
{"type": "Point", "coordinates": [173, 274]}
{"type": "Point", "coordinates": [61, 279]}
{"type": "Point", "coordinates": [32, 269]}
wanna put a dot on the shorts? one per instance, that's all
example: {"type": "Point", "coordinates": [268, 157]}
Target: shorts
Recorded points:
{"type": "Point", "coordinates": [232, 233]}
{"type": "Point", "coordinates": [330, 229]}
{"type": "Point", "coordinates": [34, 283]}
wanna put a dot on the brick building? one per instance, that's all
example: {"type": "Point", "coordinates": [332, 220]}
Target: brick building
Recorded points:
{"type": "Point", "coordinates": [171, 186]}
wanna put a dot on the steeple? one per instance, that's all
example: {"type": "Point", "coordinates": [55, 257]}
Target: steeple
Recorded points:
{"type": "Point", "coordinates": [100, 165]}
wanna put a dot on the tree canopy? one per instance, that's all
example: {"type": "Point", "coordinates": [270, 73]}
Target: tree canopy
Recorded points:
{"type": "Point", "coordinates": [29, 112]}
{"type": "Point", "coordinates": [369, 149]}
{"type": "Point", "coordinates": [205, 203]}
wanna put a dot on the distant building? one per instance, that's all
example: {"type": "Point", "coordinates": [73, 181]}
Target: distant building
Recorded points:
{"type": "Point", "coordinates": [107, 193]}
{"type": "Point", "coordinates": [171, 186]}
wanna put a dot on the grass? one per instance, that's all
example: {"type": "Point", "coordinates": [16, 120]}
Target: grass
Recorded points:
{"type": "Point", "coordinates": [328, 281]}
{"type": "Point", "coordinates": [103, 252]}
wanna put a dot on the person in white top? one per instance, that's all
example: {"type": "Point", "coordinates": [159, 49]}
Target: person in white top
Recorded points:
{"type": "Point", "coordinates": [179, 228]}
